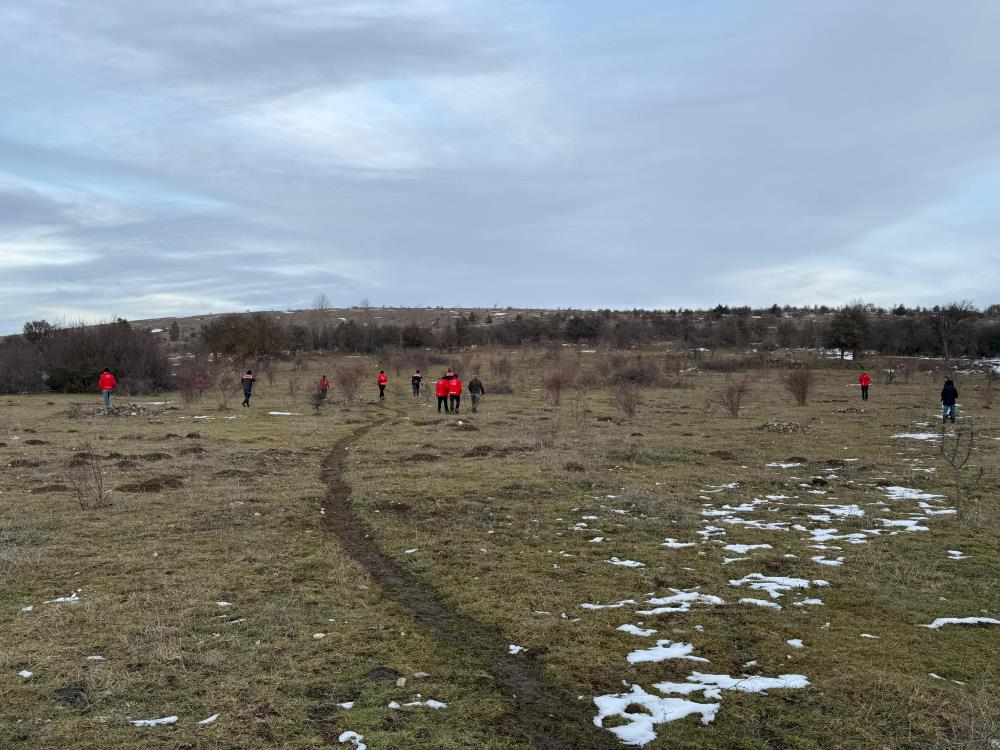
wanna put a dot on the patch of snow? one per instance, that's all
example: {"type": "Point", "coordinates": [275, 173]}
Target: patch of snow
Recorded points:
{"type": "Point", "coordinates": [742, 549]}
{"type": "Point", "coordinates": [954, 554]}
{"type": "Point", "coordinates": [918, 436]}
{"type": "Point", "coordinates": [942, 621]}
{"type": "Point", "coordinates": [96, 658]}
{"type": "Point", "coordinates": [760, 603]}
{"type": "Point", "coordinates": [515, 650]}
{"type": "Point", "coordinates": [210, 720]}
{"type": "Point", "coordinates": [775, 585]}
{"type": "Point", "coordinates": [634, 630]}
{"type": "Point", "coordinates": [626, 563]}
{"type": "Point", "coordinates": [25, 674]}
{"type": "Point", "coordinates": [153, 722]}
{"type": "Point", "coordinates": [663, 650]}
{"type": "Point", "coordinates": [353, 737]}
{"type": "Point", "coordinates": [809, 603]}
{"type": "Point", "coordinates": [779, 465]}
{"type": "Point", "coordinates": [70, 599]}
{"type": "Point", "coordinates": [679, 601]}
{"type": "Point", "coordinates": [795, 642]}
{"type": "Point", "coordinates": [908, 493]}
{"type": "Point", "coordinates": [672, 543]}
{"type": "Point", "coordinates": [639, 730]}
{"type": "Point", "coordinates": [869, 635]}
{"type": "Point", "coordinates": [283, 414]}
{"type": "Point", "coordinates": [820, 560]}
{"type": "Point", "coordinates": [616, 605]}
{"type": "Point", "coordinates": [596, 540]}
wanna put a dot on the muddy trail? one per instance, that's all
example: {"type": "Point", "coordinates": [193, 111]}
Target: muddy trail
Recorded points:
{"type": "Point", "coordinates": [539, 713]}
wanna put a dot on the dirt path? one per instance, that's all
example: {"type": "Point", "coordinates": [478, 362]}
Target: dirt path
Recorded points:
{"type": "Point", "coordinates": [541, 715]}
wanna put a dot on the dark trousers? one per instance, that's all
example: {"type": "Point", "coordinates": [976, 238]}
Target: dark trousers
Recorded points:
{"type": "Point", "coordinates": [864, 393]}
{"type": "Point", "coordinates": [381, 393]}
{"type": "Point", "coordinates": [443, 400]}
{"type": "Point", "coordinates": [246, 398]}
{"type": "Point", "coordinates": [454, 402]}
{"type": "Point", "coordinates": [416, 389]}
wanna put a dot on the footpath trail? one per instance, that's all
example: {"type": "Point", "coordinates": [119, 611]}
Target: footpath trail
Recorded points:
{"type": "Point", "coordinates": [540, 714]}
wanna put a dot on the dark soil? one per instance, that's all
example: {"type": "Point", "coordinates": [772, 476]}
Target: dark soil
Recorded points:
{"type": "Point", "coordinates": [155, 484]}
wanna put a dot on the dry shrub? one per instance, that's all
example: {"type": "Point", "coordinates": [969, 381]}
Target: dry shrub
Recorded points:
{"type": "Point", "coordinates": [86, 480]}
{"type": "Point", "coordinates": [317, 400]}
{"type": "Point", "coordinates": [732, 395]}
{"type": "Point", "coordinates": [558, 379]}
{"type": "Point", "coordinates": [992, 376]}
{"type": "Point", "coordinates": [226, 383]}
{"type": "Point", "coordinates": [502, 368]}
{"type": "Point", "coordinates": [800, 383]}
{"type": "Point", "coordinates": [545, 434]}
{"type": "Point", "coordinates": [625, 397]}
{"type": "Point", "coordinates": [348, 379]}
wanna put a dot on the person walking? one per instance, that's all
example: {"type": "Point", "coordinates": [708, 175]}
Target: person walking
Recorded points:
{"type": "Point", "coordinates": [200, 383]}
{"type": "Point", "coordinates": [323, 386]}
{"type": "Point", "coordinates": [949, 397]}
{"type": "Point", "coordinates": [455, 392]}
{"type": "Point", "coordinates": [441, 390]}
{"type": "Point", "coordinates": [248, 380]}
{"type": "Point", "coordinates": [382, 381]}
{"type": "Point", "coordinates": [865, 380]}
{"type": "Point", "coordinates": [106, 383]}
{"type": "Point", "coordinates": [476, 392]}
{"type": "Point", "coordinates": [415, 380]}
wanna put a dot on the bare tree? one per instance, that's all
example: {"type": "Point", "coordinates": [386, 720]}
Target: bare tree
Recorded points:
{"type": "Point", "coordinates": [348, 378]}
{"type": "Point", "coordinates": [951, 321]}
{"type": "Point", "coordinates": [86, 479]}
{"type": "Point", "coordinates": [956, 450]}
{"type": "Point", "coordinates": [800, 383]}
{"type": "Point", "coordinates": [558, 379]}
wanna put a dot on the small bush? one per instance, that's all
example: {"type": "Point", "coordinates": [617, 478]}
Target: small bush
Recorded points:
{"type": "Point", "coordinates": [732, 395]}
{"type": "Point", "coordinates": [625, 396]}
{"type": "Point", "coordinates": [86, 480]}
{"type": "Point", "coordinates": [558, 379]}
{"type": "Point", "coordinates": [317, 400]}
{"type": "Point", "coordinates": [800, 383]}
{"type": "Point", "coordinates": [348, 379]}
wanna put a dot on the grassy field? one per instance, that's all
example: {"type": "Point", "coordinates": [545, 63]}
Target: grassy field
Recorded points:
{"type": "Point", "coordinates": [300, 576]}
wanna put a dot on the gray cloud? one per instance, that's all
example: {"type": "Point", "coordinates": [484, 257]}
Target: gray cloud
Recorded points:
{"type": "Point", "coordinates": [194, 156]}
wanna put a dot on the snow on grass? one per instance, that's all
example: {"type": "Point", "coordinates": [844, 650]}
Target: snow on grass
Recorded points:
{"type": "Point", "coordinates": [663, 650]}
{"type": "Point", "coordinates": [616, 605]}
{"type": "Point", "coordinates": [775, 585]}
{"type": "Point", "coordinates": [795, 642]}
{"type": "Point", "coordinates": [820, 560]}
{"type": "Point", "coordinates": [153, 722]}
{"type": "Point", "coordinates": [96, 658]}
{"type": "Point", "coordinates": [870, 636]}
{"type": "Point", "coordinates": [942, 621]}
{"type": "Point", "coordinates": [908, 493]}
{"type": "Point", "coordinates": [907, 524]}
{"type": "Point", "coordinates": [744, 684]}
{"type": "Point", "coordinates": [515, 650]}
{"type": "Point", "coordinates": [845, 511]}
{"type": "Point", "coordinates": [760, 603]}
{"type": "Point", "coordinates": [210, 720]}
{"type": "Point", "coordinates": [596, 540]}
{"type": "Point", "coordinates": [25, 674]}
{"type": "Point", "coordinates": [417, 704]}
{"type": "Point", "coordinates": [742, 549]}
{"type": "Point", "coordinates": [955, 554]}
{"type": "Point", "coordinates": [283, 414]}
{"type": "Point", "coordinates": [672, 543]}
{"type": "Point", "coordinates": [639, 729]}
{"type": "Point", "coordinates": [918, 436]}
{"type": "Point", "coordinates": [354, 738]}
{"type": "Point", "coordinates": [635, 630]}
{"type": "Point", "coordinates": [809, 603]}
{"type": "Point", "coordinates": [780, 465]}
{"type": "Point", "coordinates": [679, 601]}
{"type": "Point", "coordinates": [70, 599]}
{"type": "Point", "coordinates": [626, 563]}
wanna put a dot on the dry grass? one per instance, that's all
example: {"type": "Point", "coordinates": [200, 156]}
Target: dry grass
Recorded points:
{"type": "Point", "coordinates": [494, 524]}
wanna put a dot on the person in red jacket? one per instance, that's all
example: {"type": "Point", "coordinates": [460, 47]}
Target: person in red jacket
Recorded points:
{"type": "Point", "coordinates": [323, 386]}
{"type": "Point", "coordinates": [441, 390]}
{"type": "Point", "coordinates": [455, 392]}
{"type": "Point", "coordinates": [382, 380]}
{"type": "Point", "coordinates": [865, 380]}
{"type": "Point", "coordinates": [106, 383]}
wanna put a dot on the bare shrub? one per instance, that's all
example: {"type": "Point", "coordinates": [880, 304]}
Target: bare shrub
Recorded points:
{"type": "Point", "coordinates": [989, 386]}
{"type": "Point", "coordinates": [266, 366]}
{"type": "Point", "coordinates": [732, 394]}
{"type": "Point", "coordinates": [348, 380]}
{"type": "Point", "coordinates": [86, 480]}
{"type": "Point", "coordinates": [502, 368]}
{"type": "Point", "coordinates": [225, 383]}
{"type": "Point", "coordinates": [558, 379]}
{"type": "Point", "coordinates": [192, 376]}
{"type": "Point", "coordinates": [545, 434]}
{"type": "Point", "coordinates": [800, 383]}
{"type": "Point", "coordinates": [625, 396]}
{"type": "Point", "coordinates": [956, 450]}
{"type": "Point", "coordinates": [317, 400]}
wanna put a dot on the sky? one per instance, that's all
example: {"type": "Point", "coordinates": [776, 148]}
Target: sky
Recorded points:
{"type": "Point", "coordinates": [204, 156]}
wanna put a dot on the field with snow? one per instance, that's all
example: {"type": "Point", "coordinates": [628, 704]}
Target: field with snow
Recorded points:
{"type": "Point", "coordinates": [534, 575]}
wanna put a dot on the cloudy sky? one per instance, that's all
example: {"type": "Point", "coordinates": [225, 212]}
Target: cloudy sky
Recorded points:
{"type": "Point", "coordinates": [189, 156]}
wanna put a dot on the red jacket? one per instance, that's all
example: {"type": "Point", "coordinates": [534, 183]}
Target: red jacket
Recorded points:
{"type": "Point", "coordinates": [865, 379]}
{"type": "Point", "coordinates": [441, 388]}
{"type": "Point", "coordinates": [106, 382]}
{"type": "Point", "coordinates": [323, 385]}
{"type": "Point", "coordinates": [455, 386]}
{"type": "Point", "coordinates": [382, 379]}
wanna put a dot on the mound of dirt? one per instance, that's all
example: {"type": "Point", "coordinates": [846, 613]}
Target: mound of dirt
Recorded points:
{"type": "Point", "coordinates": [234, 473]}
{"type": "Point", "coordinates": [464, 427]}
{"type": "Point", "coordinates": [82, 459]}
{"type": "Point", "coordinates": [781, 427]}
{"type": "Point", "coordinates": [155, 484]}
{"type": "Point", "coordinates": [47, 488]}
{"type": "Point", "coordinates": [422, 457]}
{"type": "Point", "coordinates": [25, 463]}
{"type": "Point", "coordinates": [478, 451]}
{"type": "Point", "coordinates": [193, 436]}
{"type": "Point", "coordinates": [36, 441]}
{"type": "Point", "coordinates": [574, 466]}
{"type": "Point", "coordinates": [193, 450]}
{"type": "Point", "coordinates": [80, 411]}
{"type": "Point", "coordinates": [724, 455]}
{"type": "Point", "coordinates": [156, 457]}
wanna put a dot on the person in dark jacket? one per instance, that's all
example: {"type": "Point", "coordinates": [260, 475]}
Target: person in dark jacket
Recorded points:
{"type": "Point", "coordinates": [476, 391]}
{"type": "Point", "coordinates": [248, 380]}
{"type": "Point", "coordinates": [949, 395]}
{"type": "Point", "coordinates": [415, 380]}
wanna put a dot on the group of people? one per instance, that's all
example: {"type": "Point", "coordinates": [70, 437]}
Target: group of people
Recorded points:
{"type": "Point", "coordinates": [949, 396]}
{"type": "Point", "coordinates": [448, 390]}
